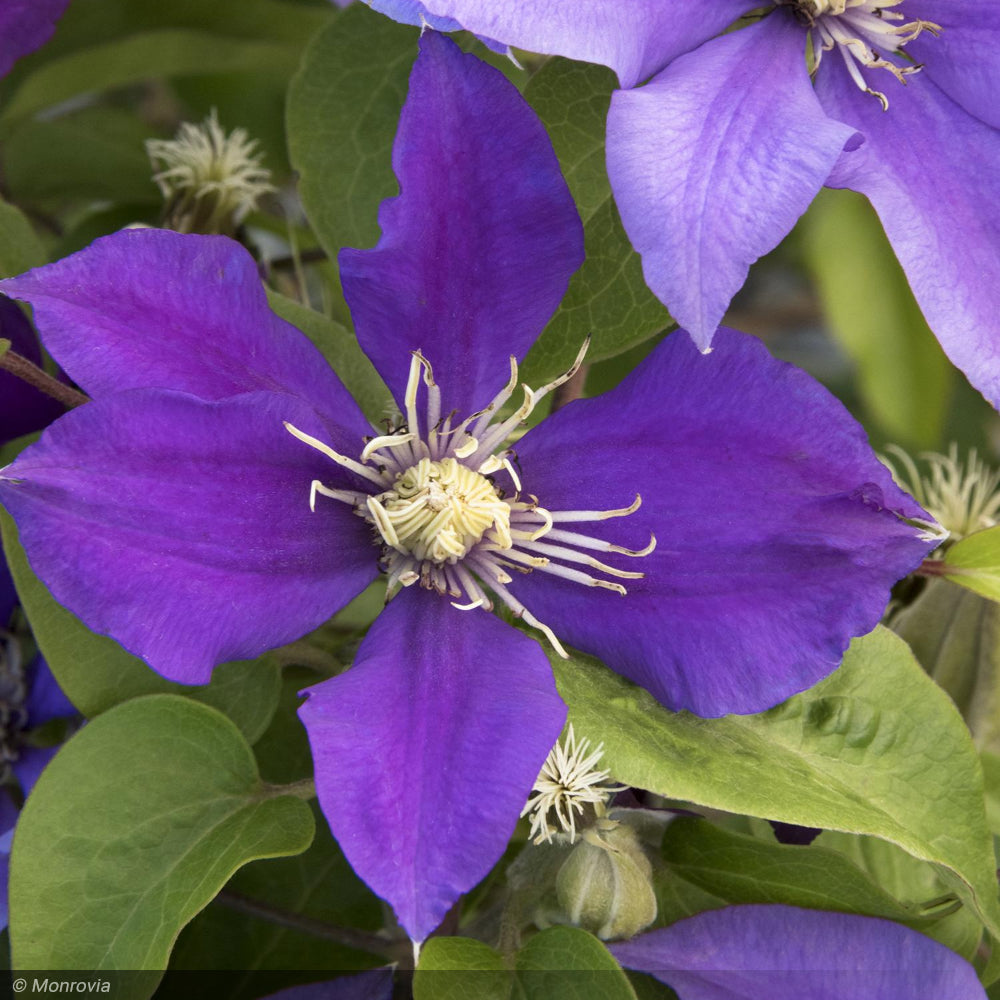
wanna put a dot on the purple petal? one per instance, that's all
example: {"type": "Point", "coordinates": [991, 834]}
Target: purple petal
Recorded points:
{"type": "Point", "coordinates": [416, 13]}
{"type": "Point", "coordinates": [30, 764]}
{"type": "Point", "coordinates": [963, 59]}
{"type": "Point", "coordinates": [714, 161]}
{"type": "Point", "coordinates": [634, 37]}
{"type": "Point", "coordinates": [477, 251]}
{"type": "Point", "coordinates": [930, 170]}
{"type": "Point", "coordinates": [786, 953]}
{"type": "Point", "coordinates": [23, 408]}
{"type": "Point", "coordinates": [25, 25]}
{"type": "Point", "coordinates": [9, 814]}
{"type": "Point", "coordinates": [375, 984]}
{"type": "Point", "coordinates": [777, 537]}
{"type": "Point", "coordinates": [154, 309]}
{"type": "Point", "coordinates": [8, 595]}
{"type": "Point", "coordinates": [46, 700]}
{"type": "Point", "coordinates": [6, 842]}
{"type": "Point", "coordinates": [182, 528]}
{"type": "Point", "coordinates": [427, 748]}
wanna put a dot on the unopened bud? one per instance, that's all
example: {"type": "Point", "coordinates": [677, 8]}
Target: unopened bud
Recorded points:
{"type": "Point", "coordinates": [606, 884]}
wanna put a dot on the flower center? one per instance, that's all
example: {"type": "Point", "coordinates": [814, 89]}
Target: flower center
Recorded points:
{"type": "Point", "coordinates": [441, 520]}
{"type": "Point", "coordinates": [440, 511]}
{"type": "Point", "coordinates": [863, 32]}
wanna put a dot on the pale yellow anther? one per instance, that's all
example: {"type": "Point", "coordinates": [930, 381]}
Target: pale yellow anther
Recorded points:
{"type": "Point", "coordinates": [438, 511]}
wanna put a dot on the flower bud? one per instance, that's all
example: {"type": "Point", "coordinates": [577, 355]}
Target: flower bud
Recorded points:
{"type": "Point", "coordinates": [606, 885]}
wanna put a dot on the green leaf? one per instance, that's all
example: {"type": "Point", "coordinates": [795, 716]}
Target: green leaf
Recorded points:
{"type": "Point", "coordinates": [955, 634]}
{"type": "Point", "coordinates": [991, 779]}
{"type": "Point", "coordinates": [20, 248]}
{"type": "Point", "coordinates": [904, 377]}
{"type": "Point", "coordinates": [340, 347]}
{"type": "Point", "coordinates": [916, 884]}
{"type": "Point", "coordinates": [324, 914]}
{"type": "Point", "coordinates": [568, 962]}
{"type": "Point", "coordinates": [101, 157]}
{"type": "Point", "coordinates": [974, 562]}
{"type": "Point", "coordinates": [454, 968]}
{"type": "Point", "coordinates": [342, 112]}
{"type": "Point", "coordinates": [133, 828]}
{"type": "Point", "coordinates": [96, 673]}
{"type": "Point", "coordinates": [735, 868]}
{"type": "Point", "coordinates": [743, 869]}
{"type": "Point", "coordinates": [876, 748]}
{"type": "Point", "coordinates": [122, 61]}
{"type": "Point", "coordinates": [558, 963]}
{"type": "Point", "coordinates": [607, 298]}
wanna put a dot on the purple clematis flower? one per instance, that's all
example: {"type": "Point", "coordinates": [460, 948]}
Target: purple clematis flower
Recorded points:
{"type": "Point", "coordinates": [23, 409]}
{"type": "Point", "coordinates": [222, 494]}
{"type": "Point", "coordinates": [29, 697]}
{"type": "Point", "coordinates": [26, 25]}
{"type": "Point", "coordinates": [721, 150]}
{"type": "Point", "coordinates": [770, 952]}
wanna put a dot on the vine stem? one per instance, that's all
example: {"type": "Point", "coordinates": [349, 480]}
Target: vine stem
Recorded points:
{"type": "Point", "coordinates": [374, 944]}
{"type": "Point", "coordinates": [29, 372]}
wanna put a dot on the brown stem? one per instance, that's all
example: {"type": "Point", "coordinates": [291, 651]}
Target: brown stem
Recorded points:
{"type": "Point", "coordinates": [394, 951]}
{"type": "Point", "coordinates": [934, 567]}
{"type": "Point", "coordinates": [571, 389]}
{"type": "Point", "coordinates": [311, 256]}
{"type": "Point", "coordinates": [27, 371]}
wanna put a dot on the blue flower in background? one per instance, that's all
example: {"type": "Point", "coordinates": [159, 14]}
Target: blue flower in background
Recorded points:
{"type": "Point", "coordinates": [222, 494]}
{"type": "Point", "coordinates": [25, 25]}
{"type": "Point", "coordinates": [766, 952]}
{"type": "Point", "coordinates": [29, 699]}
{"type": "Point", "coordinates": [719, 139]}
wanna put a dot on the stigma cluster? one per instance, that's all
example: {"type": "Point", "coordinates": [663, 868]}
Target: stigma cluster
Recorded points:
{"type": "Point", "coordinates": [441, 521]}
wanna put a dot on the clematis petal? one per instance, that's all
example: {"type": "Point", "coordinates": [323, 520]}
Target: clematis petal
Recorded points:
{"type": "Point", "coordinates": [635, 38]}
{"type": "Point", "coordinates": [151, 514]}
{"type": "Point", "coordinates": [155, 309]}
{"type": "Point", "coordinates": [771, 952]}
{"type": "Point", "coordinates": [30, 764]}
{"type": "Point", "coordinates": [8, 595]}
{"type": "Point", "coordinates": [46, 700]}
{"type": "Point", "coordinates": [930, 171]}
{"type": "Point", "coordinates": [6, 843]}
{"type": "Point", "coordinates": [427, 748]}
{"type": "Point", "coordinates": [713, 162]}
{"type": "Point", "coordinates": [26, 25]}
{"type": "Point", "coordinates": [374, 984]}
{"type": "Point", "coordinates": [777, 528]}
{"type": "Point", "coordinates": [962, 58]}
{"type": "Point", "coordinates": [477, 251]}
{"type": "Point", "coordinates": [416, 13]}
{"type": "Point", "coordinates": [23, 408]}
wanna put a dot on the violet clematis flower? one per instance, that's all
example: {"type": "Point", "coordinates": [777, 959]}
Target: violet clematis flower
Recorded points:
{"type": "Point", "coordinates": [769, 952]}
{"type": "Point", "coordinates": [29, 697]}
{"type": "Point", "coordinates": [222, 494]}
{"type": "Point", "coordinates": [26, 25]}
{"type": "Point", "coordinates": [23, 408]}
{"type": "Point", "coordinates": [721, 150]}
